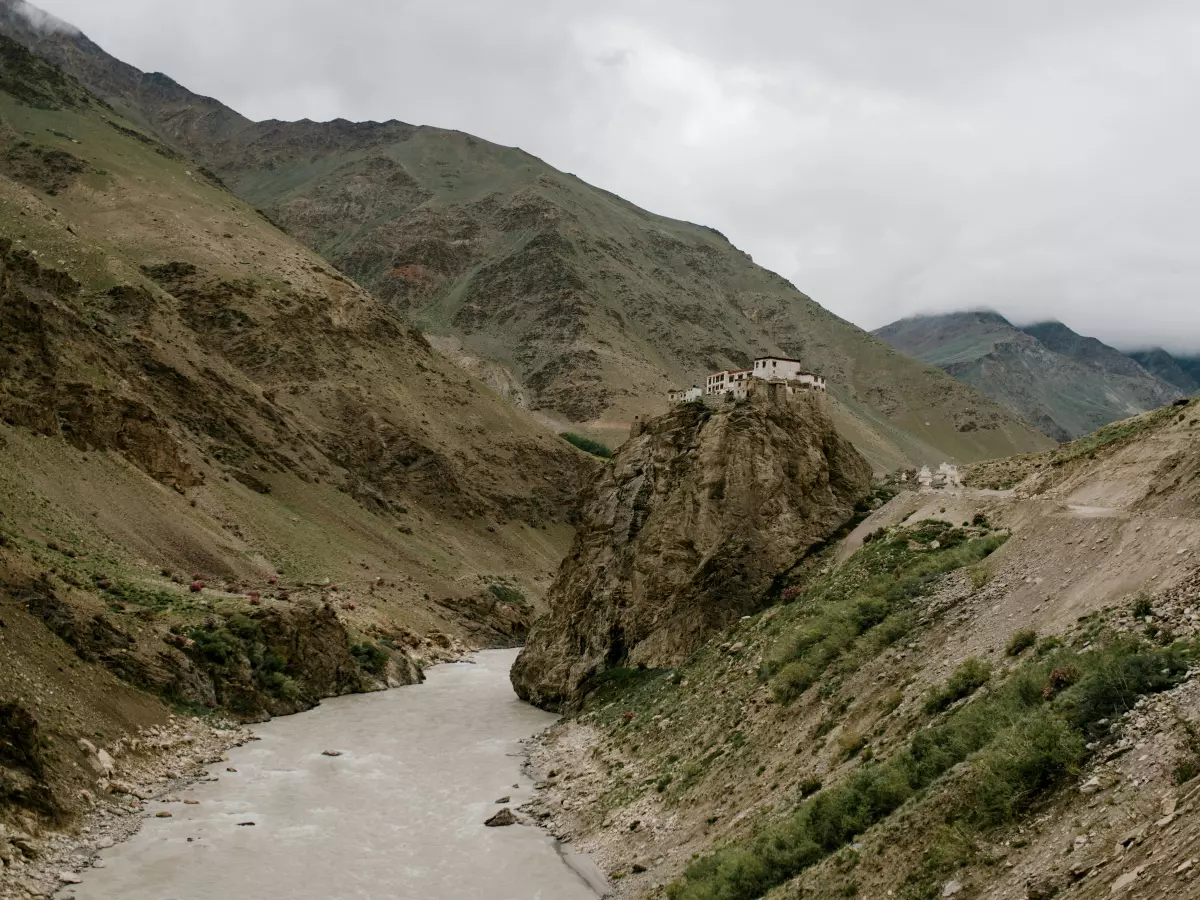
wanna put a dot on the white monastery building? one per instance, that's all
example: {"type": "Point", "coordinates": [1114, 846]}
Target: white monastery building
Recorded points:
{"type": "Point", "coordinates": [734, 382]}
{"type": "Point", "coordinates": [692, 393]}
{"type": "Point", "coordinates": [772, 368]}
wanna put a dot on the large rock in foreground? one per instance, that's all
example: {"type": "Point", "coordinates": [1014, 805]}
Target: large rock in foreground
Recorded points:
{"type": "Point", "coordinates": [683, 533]}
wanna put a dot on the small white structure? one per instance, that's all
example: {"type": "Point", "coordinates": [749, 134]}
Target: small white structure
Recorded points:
{"type": "Point", "coordinates": [687, 396]}
{"type": "Point", "coordinates": [925, 478]}
{"type": "Point", "coordinates": [950, 474]}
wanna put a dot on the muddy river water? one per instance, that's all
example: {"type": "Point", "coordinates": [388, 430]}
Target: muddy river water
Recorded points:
{"type": "Point", "coordinates": [398, 815]}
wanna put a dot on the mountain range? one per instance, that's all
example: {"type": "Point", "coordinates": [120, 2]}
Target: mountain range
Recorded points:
{"type": "Point", "coordinates": [1181, 371]}
{"type": "Point", "coordinates": [1065, 384]}
{"type": "Point", "coordinates": [570, 301]}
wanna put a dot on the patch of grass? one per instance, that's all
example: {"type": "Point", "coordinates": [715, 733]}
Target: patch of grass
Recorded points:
{"type": "Point", "coordinates": [1049, 645]}
{"type": "Point", "coordinates": [793, 680]}
{"type": "Point", "coordinates": [1020, 742]}
{"type": "Point", "coordinates": [981, 576]}
{"type": "Point", "coordinates": [1021, 641]}
{"type": "Point", "coordinates": [861, 608]}
{"type": "Point", "coordinates": [616, 683]}
{"type": "Point", "coordinates": [508, 594]}
{"type": "Point", "coordinates": [587, 445]}
{"type": "Point", "coordinates": [851, 742]}
{"type": "Point", "coordinates": [891, 702]}
{"type": "Point", "coordinates": [969, 677]}
{"type": "Point", "coordinates": [135, 595]}
{"type": "Point", "coordinates": [1111, 436]}
{"type": "Point", "coordinates": [950, 850]}
{"type": "Point", "coordinates": [1186, 770]}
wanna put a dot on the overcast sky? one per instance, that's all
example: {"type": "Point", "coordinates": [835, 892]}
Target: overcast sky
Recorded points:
{"type": "Point", "coordinates": [1035, 156]}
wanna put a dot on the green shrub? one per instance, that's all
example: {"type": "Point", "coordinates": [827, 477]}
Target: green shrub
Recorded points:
{"type": "Point", "coordinates": [216, 644]}
{"type": "Point", "coordinates": [809, 786]}
{"type": "Point", "coordinates": [793, 680]}
{"type": "Point", "coordinates": [1186, 770]}
{"type": "Point", "coordinates": [280, 685]}
{"type": "Point", "coordinates": [1142, 606]}
{"type": "Point", "coordinates": [1019, 742]}
{"type": "Point", "coordinates": [1049, 645]}
{"type": "Point", "coordinates": [587, 445]}
{"type": "Point", "coordinates": [1116, 677]}
{"type": "Point", "coordinates": [981, 576]}
{"type": "Point", "coordinates": [508, 594]}
{"type": "Point", "coordinates": [371, 657]}
{"type": "Point", "coordinates": [966, 680]}
{"type": "Point", "coordinates": [1025, 759]}
{"type": "Point", "coordinates": [1021, 641]}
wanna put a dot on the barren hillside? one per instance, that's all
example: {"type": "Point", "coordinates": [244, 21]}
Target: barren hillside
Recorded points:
{"type": "Point", "coordinates": [571, 300]}
{"type": "Point", "coordinates": [994, 695]}
{"type": "Point", "coordinates": [230, 478]}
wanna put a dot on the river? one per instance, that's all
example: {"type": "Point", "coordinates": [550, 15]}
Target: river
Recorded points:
{"type": "Point", "coordinates": [399, 815]}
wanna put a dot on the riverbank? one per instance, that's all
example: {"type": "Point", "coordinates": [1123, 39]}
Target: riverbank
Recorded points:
{"type": "Point", "coordinates": [156, 763]}
{"type": "Point", "coordinates": [395, 809]}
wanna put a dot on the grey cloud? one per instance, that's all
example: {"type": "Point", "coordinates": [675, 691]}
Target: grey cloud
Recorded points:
{"type": "Point", "coordinates": [889, 158]}
{"type": "Point", "coordinates": [42, 20]}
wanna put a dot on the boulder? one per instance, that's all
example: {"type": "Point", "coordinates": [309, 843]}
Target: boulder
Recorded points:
{"type": "Point", "coordinates": [1042, 887]}
{"type": "Point", "coordinates": [501, 819]}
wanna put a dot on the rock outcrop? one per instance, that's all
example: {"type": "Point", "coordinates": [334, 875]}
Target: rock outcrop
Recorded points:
{"type": "Point", "coordinates": [684, 532]}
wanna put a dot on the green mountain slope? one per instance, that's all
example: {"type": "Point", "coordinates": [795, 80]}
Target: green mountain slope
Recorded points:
{"type": "Point", "coordinates": [1057, 337]}
{"type": "Point", "coordinates": [1064, 383]}
{"type": "Point", "coordinates": [1182, 372]}
{"type": "Point", "coordinates": [568, 299]}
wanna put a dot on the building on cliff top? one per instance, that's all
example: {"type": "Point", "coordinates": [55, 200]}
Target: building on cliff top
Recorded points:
{"type": "Point", "coordinates": [735, 382]}
{"type": "Point", "coordinates": [687, 396]}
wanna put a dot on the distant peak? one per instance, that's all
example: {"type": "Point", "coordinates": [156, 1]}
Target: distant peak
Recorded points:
{"type": "Point", "coordinates": [38, 19]}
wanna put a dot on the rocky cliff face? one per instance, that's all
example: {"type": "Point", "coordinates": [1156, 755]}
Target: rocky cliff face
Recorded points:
{"type": "Point", "coordinates": [684, 532]}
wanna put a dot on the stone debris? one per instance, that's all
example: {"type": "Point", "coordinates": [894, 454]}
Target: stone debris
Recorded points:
{"type": "Point", "coordinates": [154, 764]}
{"type": "Point", "coordinates": [1124, 882]}
{"type": "Point", "coordinates": [329, 753]}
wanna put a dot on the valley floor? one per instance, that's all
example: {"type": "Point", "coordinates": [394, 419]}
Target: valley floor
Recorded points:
{"type": "Point", "coordinates": [374, 795]}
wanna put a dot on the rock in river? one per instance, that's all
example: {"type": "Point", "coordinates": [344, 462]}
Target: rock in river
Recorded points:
{"type": "Point", "coordinates": [502, 818]}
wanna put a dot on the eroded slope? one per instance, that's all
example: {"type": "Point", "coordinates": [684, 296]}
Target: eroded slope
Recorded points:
{"type": "Point", "coordinates": [994, 697]}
